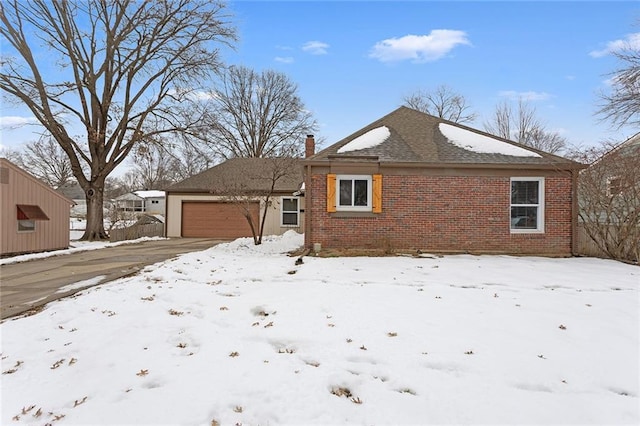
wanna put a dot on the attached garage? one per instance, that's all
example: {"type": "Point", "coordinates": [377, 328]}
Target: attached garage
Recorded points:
{"type": "Point", "coordinates": [212, 203]}
{"type": "Point", "coordinates": [216, 219]}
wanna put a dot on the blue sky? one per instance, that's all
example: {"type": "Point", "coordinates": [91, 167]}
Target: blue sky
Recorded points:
{"type": "Point", "coordinates": [353, 64]}
{"type": "Point", "coordinates": [354, 61]}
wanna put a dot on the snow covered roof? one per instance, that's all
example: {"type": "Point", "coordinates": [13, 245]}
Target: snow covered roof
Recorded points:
{"type": "Point", "coordinates": [410, 136]}
{"type": "Point", "coordinates": [370, 139]}
{"type": "Point", "coordinates": [149, 194]}
{"type": "Point", "coordinates": [471, 141]}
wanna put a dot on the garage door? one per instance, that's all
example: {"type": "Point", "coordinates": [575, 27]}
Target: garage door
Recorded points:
{"type": "Point", "coordinates": [216, 220]}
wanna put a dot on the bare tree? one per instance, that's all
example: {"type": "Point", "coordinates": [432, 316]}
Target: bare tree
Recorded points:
{"type": "Point", "coordinates": [153, 166]}
{"type": "Point", "coordinates": [523, 126]}
{"type": "Point", "coordinates": [258, 185]}
{"type": "Point", "coordinates": [192, 159]}
{"type": "Point", "coordinates": [47, 161]}
{"type": "Point", "coordinates": [609, 197]}
{"type": "Point", "coordinates": [621, 104]}
{"type": "Point", "coordinates": [257, 115]}
{"type": "Point", "coordinates": [442, 102]}
{"type": "Point", "coordinates": [122, 67]}
{"type": "Point", "coordinates": [189, 154]}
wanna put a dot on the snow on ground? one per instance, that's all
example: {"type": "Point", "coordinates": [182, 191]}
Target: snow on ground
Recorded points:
{"type": "Point", "coordinates": [475, 142]}
{"type": "Point", "coordinates": [74, 247]}
{"type": "Point", "coordinates": [76, 231]}
{"type": "Point", "coordinates": [239, 334]}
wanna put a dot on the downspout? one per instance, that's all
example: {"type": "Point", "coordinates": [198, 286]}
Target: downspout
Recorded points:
{"type": "Point", "coordinates": [574, 211]}
{"type": "Point", "coordinates": [166, 212]}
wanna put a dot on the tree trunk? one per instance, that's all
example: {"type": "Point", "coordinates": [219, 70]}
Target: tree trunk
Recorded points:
{"type": "Point", "coordinates": [247, 215]}
{"type": "Point", "coordinates": [95, 215]}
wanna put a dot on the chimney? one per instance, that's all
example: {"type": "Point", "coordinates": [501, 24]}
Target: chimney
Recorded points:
{"type": "Point", "coordinates": [309, 146]}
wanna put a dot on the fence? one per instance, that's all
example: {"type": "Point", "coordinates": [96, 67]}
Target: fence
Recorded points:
{"type": "Point", "coordinates": [585, 246]}
{"type": "Point", "coordinates": [137, 231]}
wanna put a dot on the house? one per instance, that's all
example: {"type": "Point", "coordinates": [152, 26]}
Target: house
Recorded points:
{"type": "Point", "coordinates": [411, 181]}
{"type": "Point", "coordinates": [33, 216]}
{"type": "Point", "coordinates": [74, 192]}
{"type": "Point", "coordinates": [609, 203]}
{"type": "Point", "coordinates": [213, 203]}
{"type": "Point", "coordinates": [149, 202]}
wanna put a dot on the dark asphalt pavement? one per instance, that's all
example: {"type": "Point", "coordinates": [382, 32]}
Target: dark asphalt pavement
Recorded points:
{"type": "Point", "coordinates": [27, 286]}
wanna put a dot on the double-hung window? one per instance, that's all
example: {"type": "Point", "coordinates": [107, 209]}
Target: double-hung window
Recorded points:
{"type": "Point", "coordinates": [527, 204]}
{"type": "Point", "coordinates": [290, 211]}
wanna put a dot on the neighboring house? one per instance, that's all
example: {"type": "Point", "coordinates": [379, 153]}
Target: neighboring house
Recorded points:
{"type": "Point", "coordinates": [149, 202]}
{"type": "Point", "coordinates": [212, 203]}
{"type": "Point", "coordinates": [620, 166]}
{"type": "Point", "coordinates": [33, 216]}
{"type": "Point", "coordinates": [411, 181]}
{"type": "Point", "coordinates": [609, 201]}
{"type": "Point", "coordinates": [74, 192]}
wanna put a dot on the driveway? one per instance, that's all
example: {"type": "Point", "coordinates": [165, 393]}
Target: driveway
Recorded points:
{"type": "Point", "coordinates": [30, 285]}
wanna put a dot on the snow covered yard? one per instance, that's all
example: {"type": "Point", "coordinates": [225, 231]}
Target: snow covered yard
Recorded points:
{"type": "Point", "coordinates": [239, 334]}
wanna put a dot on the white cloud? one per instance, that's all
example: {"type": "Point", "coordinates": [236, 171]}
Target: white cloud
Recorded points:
{"type": "Point", "coordinates": [315, 47]}
{"type": "Point", "coordinates": [419, 48]}
{"type": "Point", "coordinates": [525, 96]}
{"type": "Point", "coordinates": [195, 95]}
{"type": "Point", "coordinates": [632, 41]}
{"type": "Point", "coordinates": [284, 60]}
{"type": "Point", "coordinates": [14, 121]}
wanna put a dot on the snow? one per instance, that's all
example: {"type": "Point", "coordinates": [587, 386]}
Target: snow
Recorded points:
{"type": "Point", "coordinates": [74, 247]}
{"type": "Point", "coordinates": [370, 139]}
{"type": "Point", "coordinates": [149, 194]}
{"type": "Point", "coordinates": [240, 334]}
{"type": "Point", "coordinates": [475, 142]}
{"type": "Point", "coordinates": [76, 231]}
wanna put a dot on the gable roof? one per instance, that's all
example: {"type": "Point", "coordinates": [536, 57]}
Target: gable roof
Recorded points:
{"type": "Point", "coordinates": [26, 175]}
{"type": "Point", "coordinates": [415, 137]}
{"type": "Point", "coordinates": [72, 190]}
{"type": "Point", "coordinates": [244, 175]}
{"type": "Point", "coordinates": [629, 147]}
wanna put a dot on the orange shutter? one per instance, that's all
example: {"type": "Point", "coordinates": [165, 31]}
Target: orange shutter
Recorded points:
{"type": "Point", "coordinates": [377, 194]}
{"type": "Point", "coordinates": [331, 193]}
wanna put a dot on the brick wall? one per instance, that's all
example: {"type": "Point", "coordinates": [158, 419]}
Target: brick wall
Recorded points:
{"type": "Point", "coordinates": [443, 214]}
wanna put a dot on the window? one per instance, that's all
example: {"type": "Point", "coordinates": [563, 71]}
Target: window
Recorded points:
{"type": "Point", "coordinates": [527, 205]}
{"type": "Point", "coordinates": [27, 216]}
{"type": "Point", "coordinates": [614, 186]}
{"type": "Point", "coordinates": [356, 193]}
{"type": "Point", "coordinates": [353, 193]}
{"type": "Point", "coordinates": [290, 208]}
{"type": "Point", "coordinates": [26, 225]}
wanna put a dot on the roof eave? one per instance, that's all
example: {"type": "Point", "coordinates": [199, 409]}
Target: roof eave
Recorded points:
{"type": "Point", "coordinates": [442, 165]}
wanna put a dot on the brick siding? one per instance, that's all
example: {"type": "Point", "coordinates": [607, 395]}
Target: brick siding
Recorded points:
{"type": "Point", "coordinates": [443, 214]}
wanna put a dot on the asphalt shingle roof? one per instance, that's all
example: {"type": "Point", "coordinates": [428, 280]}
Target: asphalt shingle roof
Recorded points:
{"type": "Point", "coordinates": [415, 137]}
{"type": "Point", "coordinates": [245, 175]}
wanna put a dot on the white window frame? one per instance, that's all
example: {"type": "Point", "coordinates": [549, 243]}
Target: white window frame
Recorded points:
{"type": "Point", "coordinates": [539, 229]}
{"type": "Point", "coordinates": [614, 188]}
{"type": "Point", "coordinates": [283, 211]}
{"type": "Point", "coordinates": [368, 207]}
